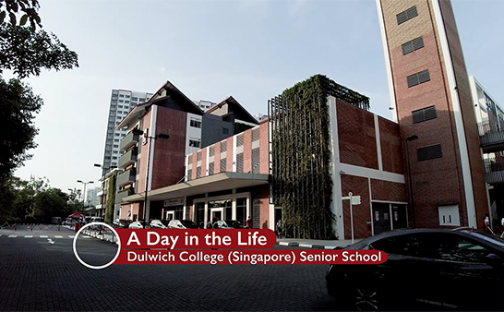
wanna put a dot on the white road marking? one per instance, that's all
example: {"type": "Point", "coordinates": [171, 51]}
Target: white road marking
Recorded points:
{"type": "Point", "coordinates": [305, 245]}
{"type": "Point", "coordinates": [28, 236]}
{"type": "Point", "coordinates": [12, 236]}
{"type": "Point", "coordinates": [283, 244]}
{"type": "Point", "coordinates": [71, 236]}
{"type": "Point", "coordinates": [58, 236]}
{"type": "Point", "coordinates": [43, 236]}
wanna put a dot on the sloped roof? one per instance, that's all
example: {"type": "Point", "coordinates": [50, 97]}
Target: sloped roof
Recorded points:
{"type": "Point", "coordinates": [234, 107]}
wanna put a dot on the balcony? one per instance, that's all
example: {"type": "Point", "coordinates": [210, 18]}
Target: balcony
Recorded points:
{"type": "Point", "coordinates": [126, 177]}
{"type": "Point", "coordinates": [491, 136]}
{"type": "Point", "coordinates": [119, 196]}
{"type": "Point", "coordinates": [494, 172]}
{"type": "Point", "coordinates": [129, 140]}
{"type": "Point", "coordinates": [128, 158]}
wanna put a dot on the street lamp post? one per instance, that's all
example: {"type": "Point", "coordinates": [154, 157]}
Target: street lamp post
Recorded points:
{"type": "Point", "coordinates": [409, 139]}
{"type": "Point", "coordinates": [84, 195]}
{"type": "Point", "coordinates": [103, 202]}
{"type": "Point", "coordinates": [146, 141]}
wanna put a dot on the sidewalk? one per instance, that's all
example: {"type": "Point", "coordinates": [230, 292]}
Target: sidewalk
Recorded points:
{"type": "Point", "coordinates": [314, 243]}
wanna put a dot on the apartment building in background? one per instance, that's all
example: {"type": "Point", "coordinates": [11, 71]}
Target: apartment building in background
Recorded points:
{"type": "Point", "coordinates": [121, 103]}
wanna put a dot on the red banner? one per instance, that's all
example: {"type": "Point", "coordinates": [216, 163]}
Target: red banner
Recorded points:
{"type": "Point", "coordinates": [253, 257]}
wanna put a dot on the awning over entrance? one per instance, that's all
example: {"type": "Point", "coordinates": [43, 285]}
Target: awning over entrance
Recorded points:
{"type": "Point", "coordinates": [213, 183]}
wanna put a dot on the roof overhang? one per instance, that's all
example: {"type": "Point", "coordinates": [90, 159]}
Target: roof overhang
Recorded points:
{"type": "Point", "coordinates": [213, 183]}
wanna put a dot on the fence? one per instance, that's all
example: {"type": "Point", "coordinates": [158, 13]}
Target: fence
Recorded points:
{"type": "Point", "coordinates": [102, 233]}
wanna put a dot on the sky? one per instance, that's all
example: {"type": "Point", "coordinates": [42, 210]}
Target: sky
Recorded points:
{"type": "Point", "coordinates": [252, 50]}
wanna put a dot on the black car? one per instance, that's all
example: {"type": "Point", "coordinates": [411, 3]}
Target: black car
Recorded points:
{"type": "Point", "coordinates": [460, 269]}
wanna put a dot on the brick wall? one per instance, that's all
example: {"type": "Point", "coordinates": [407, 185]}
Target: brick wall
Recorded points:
{"type": "Point", "coordinates": [361, 213]}
{"type": "Point", "coordinates": [391, 147]}
{"type": "Point", "coordinates": [247, 151]}
{"type": "Point", "coordinates": [388, 191]}
{"type": "Point", "coordinates": [169, 154]}
{"type": "Point", "coordinates": [357, 137]}
{"type": "Point", "coordinates": [264, 148]}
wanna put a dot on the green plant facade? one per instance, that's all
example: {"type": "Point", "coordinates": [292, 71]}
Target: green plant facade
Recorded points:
{"type": "Point", "coordinates": [109, 210]}
{"type": "Point", "coordinates": [301, 176]}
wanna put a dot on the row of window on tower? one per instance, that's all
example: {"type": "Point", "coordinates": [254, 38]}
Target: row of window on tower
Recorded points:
{"type": "Point", "coordinates": [427, 113]}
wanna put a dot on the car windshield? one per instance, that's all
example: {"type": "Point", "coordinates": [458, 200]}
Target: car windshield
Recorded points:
{"type": "Point", "coordinates": [188, 224]}
{"type": "Point", "coordinates": [492, 239]}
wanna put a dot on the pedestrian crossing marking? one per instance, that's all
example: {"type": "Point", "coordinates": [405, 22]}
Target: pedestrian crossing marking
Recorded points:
{"type": "Point", "coordinates": [58, 236]}
{"type": "Point", "coordinates": [71, 236]}
{"type": "Point", "coordinates": [28, 236]}
{"type": "Point", "coordinates": [12, 236]}
{"type": "Point", "coordinates": [43, 236]}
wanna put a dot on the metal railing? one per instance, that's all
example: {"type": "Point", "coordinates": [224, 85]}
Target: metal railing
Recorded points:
{"type": "Point", "coordinates": [490, 132]}
{"type": "Point", "coordinates": [494, 171]}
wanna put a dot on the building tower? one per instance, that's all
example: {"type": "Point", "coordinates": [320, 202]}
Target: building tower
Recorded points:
{"type": "Point", "coordinates": [431, 101]}
{"type": "Point", "coordinates": [122, 101]}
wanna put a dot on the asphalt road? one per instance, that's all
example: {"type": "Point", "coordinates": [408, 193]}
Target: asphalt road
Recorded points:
{"type": "Point", "coordinates": [38, 275]}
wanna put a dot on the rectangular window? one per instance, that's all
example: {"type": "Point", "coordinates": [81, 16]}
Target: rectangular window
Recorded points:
{"type": "Point", "coordinates": [121, 101]}
{"type": "Point", "coordinates": [225, 131]}
{"type": "Point", "coordinates": [424, 114]}
{"type": "Point", "coordinates": [127, 96]}
{"type": "Point", "coordinates": [198, 172]}
{"type": "Point", "coordinates": [189, 174]}
{"type": "Point", "coordinates": [418, 78]}
{"type": "Point", "coordinates": [134, 99]}
{"type": "Point", "coordinates": [195, 123]}
{"type": "Point", "coordinates": [194, 143]}
{"type": "Point", "coordinates": [116, 146]}
{"type": "Point", "coordinates": [121, 95]}
{"type": "Point", "coordinates": [223, 165]}
{"type": "Point", "coordinates": [116, 140]}
{"type": "Point", "coordinates": [412, 45]}
{"type": "Point", "coordinates": [255, 160]}
{"type": "Point", "coordinates": [141, 100]}
{"type": "Point", "coordinates": [239, 163]}
{"type": "Point", "coordinates": [429, 152]}
{"type": "Point", "coordinates": [119, 106]}
{"type": "Point", "coordinates": [211, 168]}
{"type": "Point", "coordinates": [406, 15]}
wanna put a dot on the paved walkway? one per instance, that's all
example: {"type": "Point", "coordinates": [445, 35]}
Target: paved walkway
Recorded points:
{"type": "Point", "coordinates": [314, 243]}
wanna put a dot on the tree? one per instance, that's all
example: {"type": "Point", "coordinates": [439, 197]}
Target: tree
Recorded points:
{"type": "Point", "coordinates": [25, 51]}
{"type": "Point", "coordinates": [28, 10]}
{"type": "Point", "coordinates": [51, 203]}
{"type": "Point", "coordinates": [18, 108]}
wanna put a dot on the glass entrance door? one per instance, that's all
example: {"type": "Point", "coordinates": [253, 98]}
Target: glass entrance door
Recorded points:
{"type": "Point", "coordinates": [381, 217]}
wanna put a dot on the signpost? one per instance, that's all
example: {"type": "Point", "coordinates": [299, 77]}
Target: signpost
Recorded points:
{"type": "Point", "coordinates": [354, 200]}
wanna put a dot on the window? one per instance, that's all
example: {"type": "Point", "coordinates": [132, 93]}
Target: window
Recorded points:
{"type": "Point", "coordinates": [116, 146]}
{"type": "Point", "coordinates": [117, 134]}
{"type": "Point", "coordinates": [418, 78]}
{"type": "Point", "coordinates": [116, 140]}
{"type": "Point", "coordinates": [225, 131]}
{"type": "Point", "coordinates": [114, 152]}
{"type": "Point", "coordinates": [452, 248]}
{"type": "Point", "coordinates": [194, 143]}
{"type": "Point", "coordinates": [406, 15]}
{"type": "Point", "coordinates": [424, 114]}
{"type": "Point", "coordinates": [119, 106]}
{"type": "Point", "coordinates": [195, 123]}
{"type": "Point", "coordinates": [121, 101]}
{"type": "Point", "coordinates": [126, 101]}
{"type": "Point", "coordinates": [127, 96]}
{"type": "Point", "coordinates": [429, 152]}
{"type": "Point", "coordinates": [412, 45]}
{"type": "Point", "coordinates": [406, 245]}
{"type": "Point", "coordinates": [134, 99]}
{"type": "Point", "coordinates": [114, 157]}
{"type": "Point", "coordinates": [142, 100]}
{"type": "Point", "coordinates": [121, 95]}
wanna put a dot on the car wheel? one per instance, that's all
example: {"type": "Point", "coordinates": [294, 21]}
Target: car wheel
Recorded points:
{"type": "Point", "coordinates": [367, 298]}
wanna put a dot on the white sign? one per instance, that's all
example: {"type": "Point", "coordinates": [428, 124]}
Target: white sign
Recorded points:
{"type": "Point", "coordinates": [173, 202]}
{"type": "Point", "coordinates": [355, 200]}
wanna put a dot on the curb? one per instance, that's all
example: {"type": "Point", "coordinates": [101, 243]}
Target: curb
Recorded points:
{"type": "Point", "coordinates": [303, 245]}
